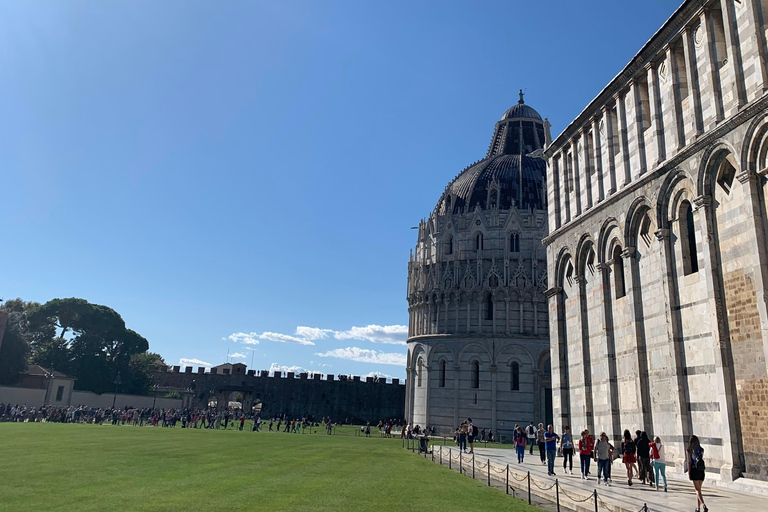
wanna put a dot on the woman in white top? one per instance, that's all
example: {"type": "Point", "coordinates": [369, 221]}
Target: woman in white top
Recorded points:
{"type": "Point", "coordinates": [659, 465]}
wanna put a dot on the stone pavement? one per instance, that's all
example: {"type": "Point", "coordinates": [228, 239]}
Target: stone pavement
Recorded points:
{"type": "Point", "coordinates": [617, 498]}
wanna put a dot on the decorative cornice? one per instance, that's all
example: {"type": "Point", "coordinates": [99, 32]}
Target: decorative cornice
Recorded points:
{"type": "Point", "coordinates": [603, 267]}
{"type": "Point", "coordinates": [628, 252]}
{"type": "Point", "coordinates": [657, 42]}
{"type": "Point", "coordinates": [746, 175]}
{"type": "Point", "coordinates": [551, 292]}
{"type": "Point", "coordinates": [662, 234]}
{"type": "Point", "coordinates": [700, 201]}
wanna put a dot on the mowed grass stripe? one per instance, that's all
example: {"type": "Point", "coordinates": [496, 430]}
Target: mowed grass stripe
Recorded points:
{"type": "Point", "coordinates": [48, 466]}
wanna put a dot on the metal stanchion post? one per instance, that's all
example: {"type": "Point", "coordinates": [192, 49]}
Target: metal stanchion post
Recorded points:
{"type": "Point", "coordinates": [461, 460]}
{"type": "Point", "coordinates": [595, 497]}
{"type": "Point", "coordinates": [450, 458]}
{"type": "Point", "coordinates": [529, 487]}
{"type": "Point", "coordinates": [473, 465]}
{"type": "Point", "coordinates": [507, 489]}
{"type": "Point", "coordinates": [489, 472]}
{"type": "Point", "coordinates": [557, 494]}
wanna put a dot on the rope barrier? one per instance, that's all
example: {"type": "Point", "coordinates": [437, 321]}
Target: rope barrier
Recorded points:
{"type": "Point", "coordinates": [575, 499]}
{"type": "Point", "coordinates": [543, 488]}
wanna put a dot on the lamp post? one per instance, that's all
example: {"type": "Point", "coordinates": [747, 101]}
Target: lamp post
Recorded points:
{"type": "Point", "coordinates": [154, 388]}
{"type": "Point", "coordinates": [117, 383]}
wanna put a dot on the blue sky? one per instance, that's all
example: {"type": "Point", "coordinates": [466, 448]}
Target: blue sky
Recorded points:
{"type": "Point", "coordinates": [242, 176]}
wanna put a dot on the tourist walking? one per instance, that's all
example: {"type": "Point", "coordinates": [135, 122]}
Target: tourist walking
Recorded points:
{"type": "Point", "coordinates": [604, 458]}
{"type": "Point", "coordinates": [566, 446]}
{"type": "Point", "coordinates": [520, 442]}
{"type": "Point", "coordinates": [695, 467]}
{"type": "Point", "coordinates": [471, 434]}
{"type": "Point", "coordinates": [644, 457]}
{"type": "Point", "coordinates": [628, 450]}
{"type": "Point", "coordinates": [658, 461]}
{"type": "Point", "coordinates": [530, 432]}
{"type": "Point", "coordinates": [540, 443]}
{"type": "Point", "coordinates": [550, 438]}
{"type": "Point", "coordinates": [463, 437]}
{"type": "Point", "coordinates": [586, 449]}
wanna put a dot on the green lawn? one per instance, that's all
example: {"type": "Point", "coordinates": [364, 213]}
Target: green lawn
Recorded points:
{"type": "Point", "coordinates": [47, 466]}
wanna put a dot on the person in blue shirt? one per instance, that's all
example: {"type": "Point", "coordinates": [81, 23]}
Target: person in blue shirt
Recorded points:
{"type": "Point", "coordinates": [550, 439]}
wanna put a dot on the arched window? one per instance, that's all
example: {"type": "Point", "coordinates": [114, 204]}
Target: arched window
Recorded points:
{"type": "Point", "coordinates": [489, 307]}
{"type": "Point", "coordinates": [514, 242]}
{"type": "Point", "coordinates": [618, 273]}
{"type": "Point", "coordinates": [475, 374]}
{"type": "Point", "coordinates": [493, 198]}
{"type": "Point", "coordinates": [515, 377]}
{"type": "Point", "coordinates": [688, 239]}
{"type": "Point", "coordinates": [449, 245]}
{"type": "Point", "coordinates": [479, 242]}
{"type": "Point", "coordinates": [442, 374]}
{"type": "Point", "coordinates": [418, 372]}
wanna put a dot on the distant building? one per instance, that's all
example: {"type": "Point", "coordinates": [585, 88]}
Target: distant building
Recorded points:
{"type": "Point", "coordinates": [657, 249]}
{"type": "Point", "coordinates": [478, 342]}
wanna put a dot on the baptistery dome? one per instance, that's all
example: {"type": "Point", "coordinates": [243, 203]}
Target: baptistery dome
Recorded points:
{"type": "Point", "coordinates": [478, 341]}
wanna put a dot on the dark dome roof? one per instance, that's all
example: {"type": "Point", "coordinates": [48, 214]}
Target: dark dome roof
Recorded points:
{"type": "Point", "coordinates": [470, 188]}
{"type": "Point", "coordinates": [521, 110]}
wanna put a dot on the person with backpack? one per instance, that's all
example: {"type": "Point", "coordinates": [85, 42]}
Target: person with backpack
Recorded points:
{"type": "Point", "coordinates": [471, 435]}
{"type": "Point", "coordinates": [604, 458]}
{"type": "Point", "coordinates": [644, 457]}
{"type": "Point", "coordinates": [695, 467]}
{"type": "Point", "coordinates": [628, 450]}
{"type": "Point", "coordinates": [657, 458]}
{"type": "Point", "coordinates": [520, 442]}
{"type": "Point", "coordinates": [586, 448]}
{"type": "Point", "coordinates": [530, 432]}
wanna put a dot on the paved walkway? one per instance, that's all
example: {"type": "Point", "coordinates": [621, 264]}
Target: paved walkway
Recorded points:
{"type": "Point", "coordinates": [617, 498]}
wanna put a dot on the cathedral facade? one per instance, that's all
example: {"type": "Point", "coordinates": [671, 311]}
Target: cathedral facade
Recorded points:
{"type": "Point", "coordinates": [478, 342]}
{"type": "Point", "coordinates": [658, 244]}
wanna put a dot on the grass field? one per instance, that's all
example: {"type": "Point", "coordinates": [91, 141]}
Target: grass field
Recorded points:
{"type": "Point", "coordinates": [47, 466]}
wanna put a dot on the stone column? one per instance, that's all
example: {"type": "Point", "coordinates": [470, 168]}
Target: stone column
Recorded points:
{"type": "Point", "coordinates": [609, 137]}
{"type": "Point", "coordinates": [704, 217]}
{"type": "Point", "coordinates": [428, 386]}
{"type": "Point", "coordinates": [693, 80]}
{"type": "Point", "coordinates": [408, 388]}
{"type": "Point", "coordinates": [714, 89]}
{"type": "Point", "coordinates": [657, 117]}
{"type": "Point", "coordinates": [634, 294]}
{"type": "Point", "coordinates": [610, 351]}
{"type": "Point", "coordinates": [639, 126]}
{"type": "Point", "coordinates": [681, 418]}
{"type": "Point", "coordinates": [598, 159]}
{"type": "Point", "coordinates": [623, 138]}
{"type": "Point", "coordinates": [586, 353]}
{"type": "Point", "coordinates": [494, 391]}
{"type": "Point", "coordinates": [735, 65]}
{"type": "Point", "coordinates": [675, 100]}
{"type": "Point", "coordinates": [456, 371]}
{"type": "Point", "coordinates": [559, 358]}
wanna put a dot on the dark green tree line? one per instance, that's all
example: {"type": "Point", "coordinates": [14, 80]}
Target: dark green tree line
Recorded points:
{"type": "Point", "coordinates": [85, 340]}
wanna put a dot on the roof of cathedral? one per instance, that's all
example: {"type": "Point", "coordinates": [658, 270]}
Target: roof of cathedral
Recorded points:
{"type": "Point", "coordinates": [521, 110]}
{"type": "Point", "coordinates": [513, 163]}
{"type": "Point", "coordinates": [470, 188]}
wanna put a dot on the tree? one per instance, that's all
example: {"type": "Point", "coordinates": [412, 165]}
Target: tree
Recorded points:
{"type": "Point", "coordinates": [15, 348]}
{"type": "Point", "coordinates": [89, 341]}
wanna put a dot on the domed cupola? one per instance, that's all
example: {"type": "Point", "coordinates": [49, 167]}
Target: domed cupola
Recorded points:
{"type": "Point", "coordinates": [511, 174]}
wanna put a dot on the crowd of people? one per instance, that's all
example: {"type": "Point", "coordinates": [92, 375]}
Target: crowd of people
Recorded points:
{"type": "Point", "coordinates": [643, 457]}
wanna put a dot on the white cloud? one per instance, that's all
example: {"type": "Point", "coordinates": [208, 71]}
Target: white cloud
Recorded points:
{"type": "Point", "coordinates": [243, 337]}
{"type": "Point", "coordinates": [363, 355]}
{"type": "Point", "coordinates": [392, 334]}
{"type": "Point", "coordinates": [193, 362]}
{"type": "Point", "coordinates": [312, 333]}
{"type": "Point", "coordinates": [238, 355]}
{"type": "Point", "coordinates": [282, 368]}
{"type": "Point", "coordinates": [284, 338]}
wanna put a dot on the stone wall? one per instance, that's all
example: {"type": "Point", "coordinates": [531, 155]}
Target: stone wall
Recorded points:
{"type": "Point", "coordinates": [342, 398]}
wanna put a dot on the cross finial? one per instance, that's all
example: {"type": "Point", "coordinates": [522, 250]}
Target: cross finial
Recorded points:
{"type": "Point", "coordinates": [521, 97]}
